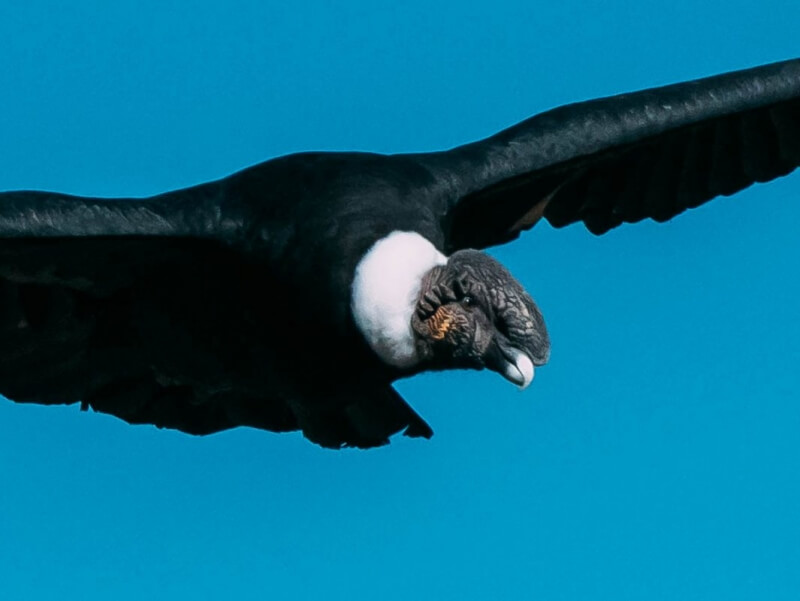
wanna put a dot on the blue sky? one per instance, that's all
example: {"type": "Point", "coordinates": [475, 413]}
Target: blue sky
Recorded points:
{"type": "Point", "coordinates": [656, 457]}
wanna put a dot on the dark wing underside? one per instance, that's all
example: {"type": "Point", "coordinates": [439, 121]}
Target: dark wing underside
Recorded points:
{"type": "Point", "coordinates": [650, 154]}
{"type": "Point", "coordinates": [125, 323]}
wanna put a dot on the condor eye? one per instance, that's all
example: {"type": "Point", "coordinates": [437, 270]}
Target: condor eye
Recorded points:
{"type": "Point", "coordinates": [468, 300]}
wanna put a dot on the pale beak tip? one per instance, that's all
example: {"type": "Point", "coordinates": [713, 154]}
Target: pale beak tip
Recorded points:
{"type": "Point", "coordinates": [525, 367]}
{"type": "Point", "coordinates": [521, 371]}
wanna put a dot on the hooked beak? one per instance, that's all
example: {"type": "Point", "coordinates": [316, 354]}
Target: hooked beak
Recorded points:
{"type": "Point", "coordinates": [510, 362]}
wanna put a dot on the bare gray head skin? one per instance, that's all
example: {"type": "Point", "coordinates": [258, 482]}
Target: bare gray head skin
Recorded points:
{"type": "Point", "coordinates": [472, 313]}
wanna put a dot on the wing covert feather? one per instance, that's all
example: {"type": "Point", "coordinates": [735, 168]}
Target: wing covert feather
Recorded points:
{"type": "Point", "coordinates": [190, 212]}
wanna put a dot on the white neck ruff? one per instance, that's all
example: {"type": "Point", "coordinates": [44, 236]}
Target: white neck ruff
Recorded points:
{"type": "Point", "coordinates": [385, 291]}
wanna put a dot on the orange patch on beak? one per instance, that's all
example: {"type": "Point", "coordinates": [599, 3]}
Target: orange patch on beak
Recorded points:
{"type": "Point", "coordinates": [440, 322]}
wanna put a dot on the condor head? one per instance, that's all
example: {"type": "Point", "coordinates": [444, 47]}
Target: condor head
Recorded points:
{"type": "Point", "coordinates": [472, 313]}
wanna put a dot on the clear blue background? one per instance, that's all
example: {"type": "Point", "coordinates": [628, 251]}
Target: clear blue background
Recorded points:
{"type": "Point", "coordinates": [656, 457]}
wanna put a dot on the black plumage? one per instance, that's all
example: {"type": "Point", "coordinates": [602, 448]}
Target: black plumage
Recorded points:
{"type": "Point", "coordinates": [228, 303]}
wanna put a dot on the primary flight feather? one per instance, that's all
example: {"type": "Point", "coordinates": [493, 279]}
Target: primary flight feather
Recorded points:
{"type": "Point", "coordinates": [290, 295]}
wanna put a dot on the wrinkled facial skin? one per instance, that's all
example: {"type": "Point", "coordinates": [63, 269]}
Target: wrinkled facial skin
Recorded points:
{"type": "Point", "coordinates": [472, 313]}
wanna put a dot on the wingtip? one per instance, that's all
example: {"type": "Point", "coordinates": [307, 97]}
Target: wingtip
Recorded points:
{"type": "Point", "coordinates": [418, 429]}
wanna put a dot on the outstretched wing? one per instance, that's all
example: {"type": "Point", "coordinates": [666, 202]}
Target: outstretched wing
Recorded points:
{"type": "Point", "coordinates": [625, 158]}
{"type": "Point", "coordinates": [89, 291]}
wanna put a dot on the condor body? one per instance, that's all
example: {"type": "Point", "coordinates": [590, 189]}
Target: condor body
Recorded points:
{"type": "Point", "coordinates": [292, 294]}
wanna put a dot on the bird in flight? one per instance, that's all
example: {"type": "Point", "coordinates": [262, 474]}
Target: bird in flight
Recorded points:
{"type": "Point", "coordinates": [290, 295]}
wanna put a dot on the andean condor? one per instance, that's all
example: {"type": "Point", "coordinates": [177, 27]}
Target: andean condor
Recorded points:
{"type": "Point", "coordinates": [290, 295]}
